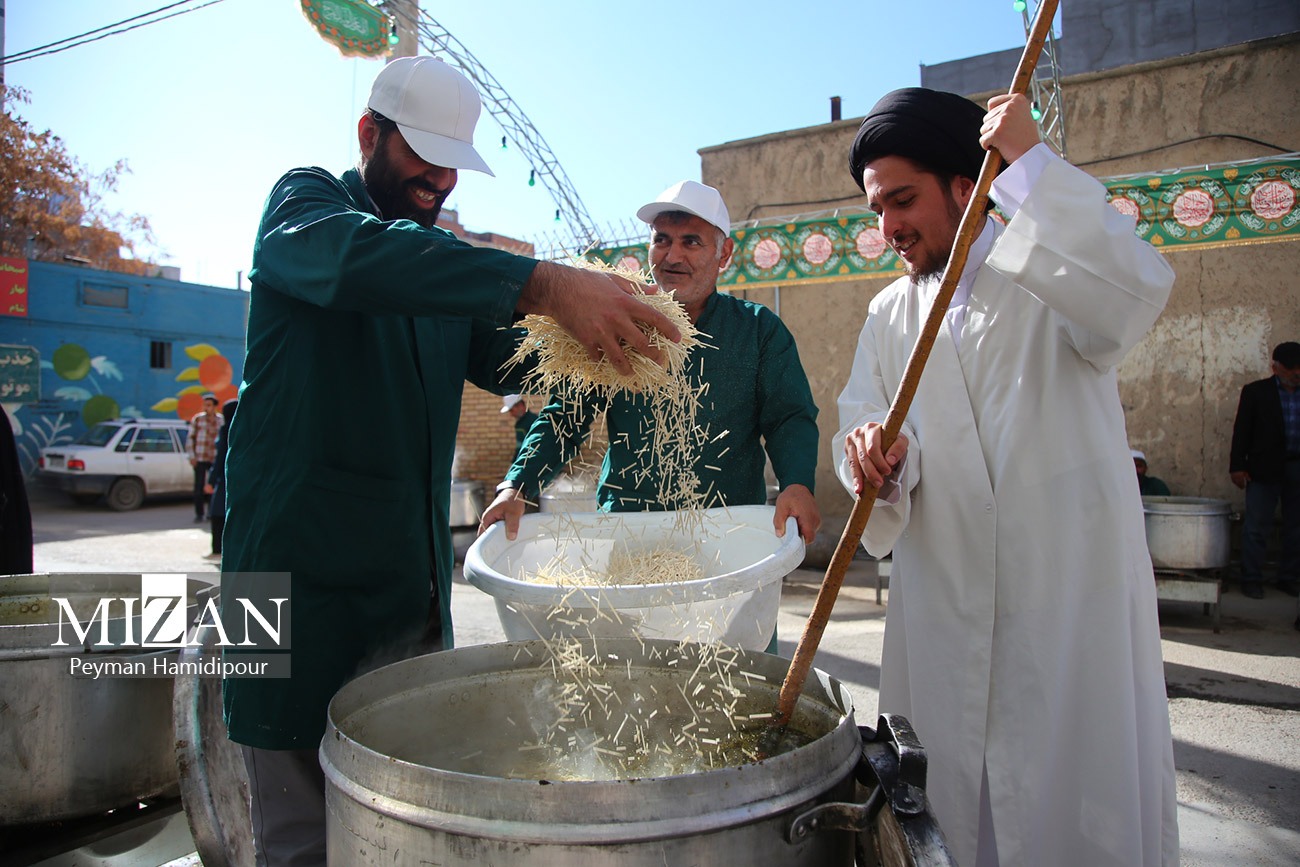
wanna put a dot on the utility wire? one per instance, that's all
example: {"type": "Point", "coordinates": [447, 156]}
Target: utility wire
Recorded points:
{"type": "Point", "coordinates": [40, 51]}
{"type": "Point", "coordinates": [96, 30]}
{"type": "Point", "coordinates": [1173, 144]}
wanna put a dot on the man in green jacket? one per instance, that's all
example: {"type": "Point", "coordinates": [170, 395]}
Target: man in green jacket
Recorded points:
{"type": "Point", "coordinates": [364, 322]}
{"type": "Point", "coordinates": [754, 390]}
{"type": "Point", "coordinates": [517, 407]}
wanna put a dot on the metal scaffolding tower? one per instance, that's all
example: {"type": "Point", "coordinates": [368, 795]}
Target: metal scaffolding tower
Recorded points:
{"type": "Point", "coordinates": [434, 38]}
{"type": "Point", "coordinates": [1045, 88]}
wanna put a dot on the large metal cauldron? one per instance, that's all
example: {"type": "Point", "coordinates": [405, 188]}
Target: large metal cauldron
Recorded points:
{"type": "Point", "coordinates": [76, 746]}
{"type": "Point", "coordinates": [1187, 532]}
{"type": "Point", "coordinates": [394, 733]}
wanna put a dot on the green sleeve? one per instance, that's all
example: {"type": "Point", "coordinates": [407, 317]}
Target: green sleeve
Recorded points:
{"type": "Point", "coordinates": [1150, 486]}
{"type": "Point", "coordinates": [489, 349]}
{"type": "Point", "coordinates": [318, 244]}
{"type": "Point", "coordinates": [557, 435]}
{"type": "Point", "coordinates": [787, 414]}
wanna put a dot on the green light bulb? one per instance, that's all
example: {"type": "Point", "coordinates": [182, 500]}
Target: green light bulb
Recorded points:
{"type": "Point", "coordinates": [503, 142]}
{"type": "Point", "coordinates": [557, 215]}
{"type": "Point", "coordinates": [1018, 5]}
{"type": "Point", "coordinates": [532, 178]}
{"type": "Point", "coordinates": [1035, 112]}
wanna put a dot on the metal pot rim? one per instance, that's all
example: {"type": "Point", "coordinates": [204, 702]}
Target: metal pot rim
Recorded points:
{"type": "Point", "coordinates": [1186, 506]}
{"type": "Point", "coordinates": [31, 640]}
{"type": "Point", "coordinates": [606, 810]}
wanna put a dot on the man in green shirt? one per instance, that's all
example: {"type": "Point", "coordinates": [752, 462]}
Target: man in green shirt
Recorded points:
{"type": "Point", "coordinates": [518, 409]}
{"type": "Point", "coordinates": [364, 322]}
{"type": "Point", "coordinates": [755, 391]}
{"type": "Point", "coordinates": [1148, 485]}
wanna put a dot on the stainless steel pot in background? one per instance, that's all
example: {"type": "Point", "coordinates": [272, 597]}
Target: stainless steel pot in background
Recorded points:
{"type": "Point", "coordinates": [76, 746]}
{"type": "Point", "coordinates": [213, 780]}
{"type": "Point", "coordinates": [569, 501]}
{"type": "Point", "coordinates": [1187, 532]}
{"type": "Point", "coordinates": [467, 502]}
{"type": "Point", "coordinates": [569, 493]}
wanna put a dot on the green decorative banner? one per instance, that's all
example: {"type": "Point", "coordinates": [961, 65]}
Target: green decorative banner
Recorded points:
{"type": "Point", "coordinates": [354, 27]}
{"type": "Point", "coordinates": [807, 251]}
{"type": "Point", "coordinates": [1240, 203]}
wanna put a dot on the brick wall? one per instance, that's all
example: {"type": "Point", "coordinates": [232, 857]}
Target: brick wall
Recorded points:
{"type": "Point", "coordinates": [485, 439]}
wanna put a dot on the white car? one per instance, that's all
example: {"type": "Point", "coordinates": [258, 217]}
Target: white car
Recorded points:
{"type": "Point", "coordinates": [123, 460]}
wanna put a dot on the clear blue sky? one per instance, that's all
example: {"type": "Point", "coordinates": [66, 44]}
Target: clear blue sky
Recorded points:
{"type": "Point", "coordinates": [209, 108]}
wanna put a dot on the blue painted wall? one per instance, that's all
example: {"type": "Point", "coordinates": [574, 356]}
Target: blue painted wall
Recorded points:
{"type": "Point", "coordinates": [114, 371]}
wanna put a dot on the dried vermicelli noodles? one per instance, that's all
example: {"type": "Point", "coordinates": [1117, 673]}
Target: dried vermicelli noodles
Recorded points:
{"type": "Point", "coordinates": [652, 566]}
{"type": "Point", "coordinates": [586, 726]}
{"type": "Point", "coordinates": [564, 365]}
{"type": "Point", "coordinates": [659, 565]}
{"type": "Point", "coordinates": [595, 719]}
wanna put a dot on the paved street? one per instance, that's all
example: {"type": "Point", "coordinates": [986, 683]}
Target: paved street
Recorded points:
{"type": "Point", "coordinates": [1234, 697]}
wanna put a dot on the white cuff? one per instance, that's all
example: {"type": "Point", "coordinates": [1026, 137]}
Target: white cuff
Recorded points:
{"type": "Point", "coordinates": [1011, 188]}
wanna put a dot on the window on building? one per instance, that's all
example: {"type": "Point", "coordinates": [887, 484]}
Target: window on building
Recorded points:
{"type": "Point", "coordinates": [103, 295]}
{"type": "Point", "coordinates": [160, 354]}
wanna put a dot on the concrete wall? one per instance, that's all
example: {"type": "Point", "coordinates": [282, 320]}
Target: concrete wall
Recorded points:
{"type": "Point", "coordinates": [1096, 35]}
{"type": "Point", "coordinates": [1106, 34]}
{"type": "Point", "coordinates": [1230, 305]}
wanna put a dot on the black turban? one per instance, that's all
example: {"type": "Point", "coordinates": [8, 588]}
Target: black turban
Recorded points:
{"type": "Point", "coordinates": [939, 130]}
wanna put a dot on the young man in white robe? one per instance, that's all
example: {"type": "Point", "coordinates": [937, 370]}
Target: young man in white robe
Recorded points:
{"type": "Point", "coordinates": [1022, 640]}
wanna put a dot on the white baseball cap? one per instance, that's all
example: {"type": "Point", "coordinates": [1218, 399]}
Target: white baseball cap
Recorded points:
{"type": "Point", "coordinates": [435, 107]}
{"type": "Point", "coordinates": [692, 197]}
{"type": "Point", "coordinates": [1138, 456]}
{"type": "Point", "coordinates": [508, 402]}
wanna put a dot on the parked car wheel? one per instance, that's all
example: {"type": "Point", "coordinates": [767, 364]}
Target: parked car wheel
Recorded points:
{"type": "Point", "coordinates": [125, 495]}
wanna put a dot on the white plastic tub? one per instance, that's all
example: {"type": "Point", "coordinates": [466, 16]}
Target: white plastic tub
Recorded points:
{"type": "Point", "coordinates": [736, 603]}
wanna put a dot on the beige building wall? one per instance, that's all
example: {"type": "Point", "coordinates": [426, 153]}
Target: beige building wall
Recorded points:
{"type": "Point", "coordinates": [1229, 306]}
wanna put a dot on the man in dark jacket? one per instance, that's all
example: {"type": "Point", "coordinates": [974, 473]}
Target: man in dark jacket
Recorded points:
{"type": "Point", "coordinates": [216, 487]}
{"type": "Point", "coordinates": [15, 513]}
{"type": "Point", "coordinates": [1265, 462]}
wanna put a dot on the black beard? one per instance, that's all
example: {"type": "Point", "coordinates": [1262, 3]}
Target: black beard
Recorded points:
{"type": "Point", "coordinates": [926, 270]}
{"type": "Point", "coordinates": [391, 195]}
{"type": "Point", "coordinates": [934, 266]}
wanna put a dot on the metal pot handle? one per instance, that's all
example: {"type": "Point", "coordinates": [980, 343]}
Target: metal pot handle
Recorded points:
{"type": "Point", "coordinates": [893, 767]}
